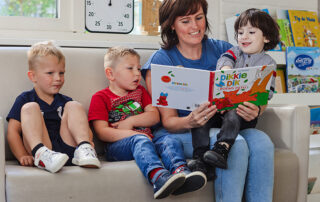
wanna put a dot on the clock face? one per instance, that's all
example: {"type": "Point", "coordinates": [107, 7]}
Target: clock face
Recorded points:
{"type": "Point", "coordinates": [114, 16]}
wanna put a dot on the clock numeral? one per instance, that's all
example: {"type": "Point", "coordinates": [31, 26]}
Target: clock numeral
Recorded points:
{"type": "Point", "coordinates": [120, 24]}
{"type": "Point", "coordinates": [129, 5]}
{"type": "Point", "coordinates": [91, 14]}
{"type": "Point", "coordinates": [97, 23]}
{"type": "Point", "coordinates": [126, 15]}
{"type": "Point", "coordinates": [89, 3]}
{"type": "Point", "coordinates": [109, 26]}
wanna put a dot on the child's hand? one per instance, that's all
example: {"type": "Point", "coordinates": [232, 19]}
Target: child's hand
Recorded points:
{"type": "Point", "coordinates": [26, 160]}
{"type": "Point", "coordinates": [124, 124]}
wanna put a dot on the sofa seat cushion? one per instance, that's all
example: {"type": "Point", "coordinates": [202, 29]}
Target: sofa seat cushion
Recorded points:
{"type": "Point", "coordinates": [114, 181]}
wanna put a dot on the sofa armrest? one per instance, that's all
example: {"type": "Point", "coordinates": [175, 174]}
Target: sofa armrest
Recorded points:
{"type": "Point", "coordinates": [2, 162]}
{"type": "Point", "coordinates": [288, 127]}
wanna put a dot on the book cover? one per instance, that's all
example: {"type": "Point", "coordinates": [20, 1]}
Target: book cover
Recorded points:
{"type": "Point", "coordinates": [187, 88]}
{"type": "Point", "coordinates": [285, 33]}
{"type": "Point", "coordinates": [230, 30]}
{"type": "Point", "coordinates": [304, 27]}
{"type": "Point", "coordinates": [303, 69]}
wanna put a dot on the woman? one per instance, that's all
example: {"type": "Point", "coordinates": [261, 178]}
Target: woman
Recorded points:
{"type": "Point", "coordinates": [184, 43]}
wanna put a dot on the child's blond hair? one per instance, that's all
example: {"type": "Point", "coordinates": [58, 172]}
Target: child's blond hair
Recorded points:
{"type": "Point", "coordinates": [43, 49]}
{"type": "Point", "coordinates": [115, 53]}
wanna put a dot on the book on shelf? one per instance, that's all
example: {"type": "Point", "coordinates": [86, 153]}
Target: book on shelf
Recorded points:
{"type": "Point", "coordinates": [315, 120]}
{"type": "Point", "coordinates": [305, 28]}
{"type": "Point", "coordinates": [230, 30]}
{"type": "Point", "coordinates": [303, 69]}
{"type": "Point", "coordinates": [280, 81]}
{"type": "Point", "coordinates": [187, 88]}
{"type": "Point", "coordinates": [285, 33]}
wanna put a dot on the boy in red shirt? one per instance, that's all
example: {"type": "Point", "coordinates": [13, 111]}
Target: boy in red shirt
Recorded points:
{"type": "Point", "coordinates": [122, 115]}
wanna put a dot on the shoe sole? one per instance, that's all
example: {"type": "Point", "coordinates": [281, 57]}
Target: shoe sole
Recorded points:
{"type": "Point", "coordinates": [89, 163]}
{"type": "Point", "coordinates": [194, 181]}
{"type": "Point", "coordinates": [170, 186]}
{"type": "Point", "coordinates": [60, 164]}
{"type": "Point", "coordinates": [219, 161]}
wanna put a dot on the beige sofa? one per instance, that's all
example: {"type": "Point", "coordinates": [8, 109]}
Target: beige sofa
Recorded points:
{"type": "Point", "coordinates": [122, 181]}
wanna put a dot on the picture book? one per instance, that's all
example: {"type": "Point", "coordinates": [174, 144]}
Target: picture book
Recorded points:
{"type": "Point", "coordinates": [303, 69]}
{"type": "Point", "coordinates": [285, 33]}
{"type": "Point", "coordinates": [186, 88]}
{"type": "Point", "coordinates": [305, 28]}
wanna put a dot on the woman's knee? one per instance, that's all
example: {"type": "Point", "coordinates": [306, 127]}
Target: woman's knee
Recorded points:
{"type": "Point", "coordinates": [257, 140]}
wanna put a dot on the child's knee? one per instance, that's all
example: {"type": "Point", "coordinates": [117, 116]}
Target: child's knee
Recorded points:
{"type": "Point", "coordinates": [73, 105]}
{"type": "Point", "coordinates": [30, 107]}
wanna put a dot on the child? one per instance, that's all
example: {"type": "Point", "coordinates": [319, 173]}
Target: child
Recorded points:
{"type": "Point", "coordinates": [256, 32]}
{"type": "Point", "coordinates": [121, 115]}
{"type": "Point", "coordinates": [46, 128]}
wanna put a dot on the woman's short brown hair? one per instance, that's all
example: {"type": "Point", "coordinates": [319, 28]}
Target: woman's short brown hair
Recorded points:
{"type": "Point", "coordinates": [170, 10]}
{"type": "Point", "coordinates": [261, 20]}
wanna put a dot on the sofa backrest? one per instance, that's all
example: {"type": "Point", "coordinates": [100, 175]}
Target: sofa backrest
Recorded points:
{"type": "Point", "coordinates": [84, 76]}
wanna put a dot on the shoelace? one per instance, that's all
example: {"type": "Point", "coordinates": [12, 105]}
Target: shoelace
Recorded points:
{"type": "Point", "coordinates": [48, 155]}
{"type": "Point", "coordinates": [89, 152]}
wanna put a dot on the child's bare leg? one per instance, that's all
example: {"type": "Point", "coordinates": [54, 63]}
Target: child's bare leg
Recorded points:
{"type": "Point", "coordinates": [75, 132]}
{"type": "Point", "coordinates": [33, 127]}
{"type": "Point", "coordinates": [36, 139]}
{"type": "Point", "coordinates": [74, 124]}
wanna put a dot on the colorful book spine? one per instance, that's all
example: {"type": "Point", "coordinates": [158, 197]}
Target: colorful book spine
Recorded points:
{"type": "Point", "coordinates": [285, 33]}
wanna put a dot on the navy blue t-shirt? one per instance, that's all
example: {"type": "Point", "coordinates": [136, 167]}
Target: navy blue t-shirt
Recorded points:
{"type": "Point", "coordinates": [51, 113]}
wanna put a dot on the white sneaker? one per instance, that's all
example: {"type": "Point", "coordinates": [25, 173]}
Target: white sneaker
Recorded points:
{"type": "Point", "coordinates": [86, 156]}
{"type": "Point", "coordinates": [50, 160]}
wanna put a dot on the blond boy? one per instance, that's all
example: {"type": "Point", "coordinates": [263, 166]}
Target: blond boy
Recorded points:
{"type": "Point", "coordinates": [45, 128]}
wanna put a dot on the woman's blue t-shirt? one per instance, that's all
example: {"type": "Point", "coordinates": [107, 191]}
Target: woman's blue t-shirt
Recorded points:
{"type": "Point", "coordinates": [212, 49]}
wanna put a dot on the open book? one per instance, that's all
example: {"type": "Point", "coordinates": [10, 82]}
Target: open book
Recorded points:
{"type": "Point", "coordinates": [187, 88]}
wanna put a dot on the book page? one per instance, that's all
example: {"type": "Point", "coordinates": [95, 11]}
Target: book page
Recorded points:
{"type": "Point", "coordinates": [179, 87]}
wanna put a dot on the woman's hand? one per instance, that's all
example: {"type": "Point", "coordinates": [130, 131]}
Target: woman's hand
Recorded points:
{"type": "Point", "coordinates": [248, 111]}
{"type": "Point", "coordinates": [201, 115]}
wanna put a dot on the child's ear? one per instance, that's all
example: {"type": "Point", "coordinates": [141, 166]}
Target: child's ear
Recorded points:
{"type": "Point", "coordinates": [266, 40]}
{"type": "Point", "coordinates": [31, 76]}
{"type": "Point", "coordinates": [109, 73]}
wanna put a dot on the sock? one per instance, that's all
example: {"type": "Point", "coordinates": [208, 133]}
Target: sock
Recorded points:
{"type": "Point", "coordinates": [35, 149]}
{"type": "Point", "coordinates": [83, 142]}
{"type": "Point", "coordinates": [153, 173]}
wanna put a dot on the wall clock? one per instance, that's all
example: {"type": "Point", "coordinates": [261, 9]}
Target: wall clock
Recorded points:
{"type": "Point", "coordinates": [112, 16]}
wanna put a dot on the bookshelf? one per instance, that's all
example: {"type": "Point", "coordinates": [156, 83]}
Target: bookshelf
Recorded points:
{"type": "Point", "coordinates": [302, 99]}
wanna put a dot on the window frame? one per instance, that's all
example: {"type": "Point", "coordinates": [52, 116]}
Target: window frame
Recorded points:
{"type": "Point", "coordinates": [62, 23]}
{"type": "Point", "coordinates": [67, 30]}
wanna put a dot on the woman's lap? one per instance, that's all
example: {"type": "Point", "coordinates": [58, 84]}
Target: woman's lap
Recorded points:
{"type": "Point", "coordinates": [230, 182]}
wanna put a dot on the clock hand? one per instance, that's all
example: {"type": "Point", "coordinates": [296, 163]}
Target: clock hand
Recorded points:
{"type": "Point", "coordinates": [110, 4]}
